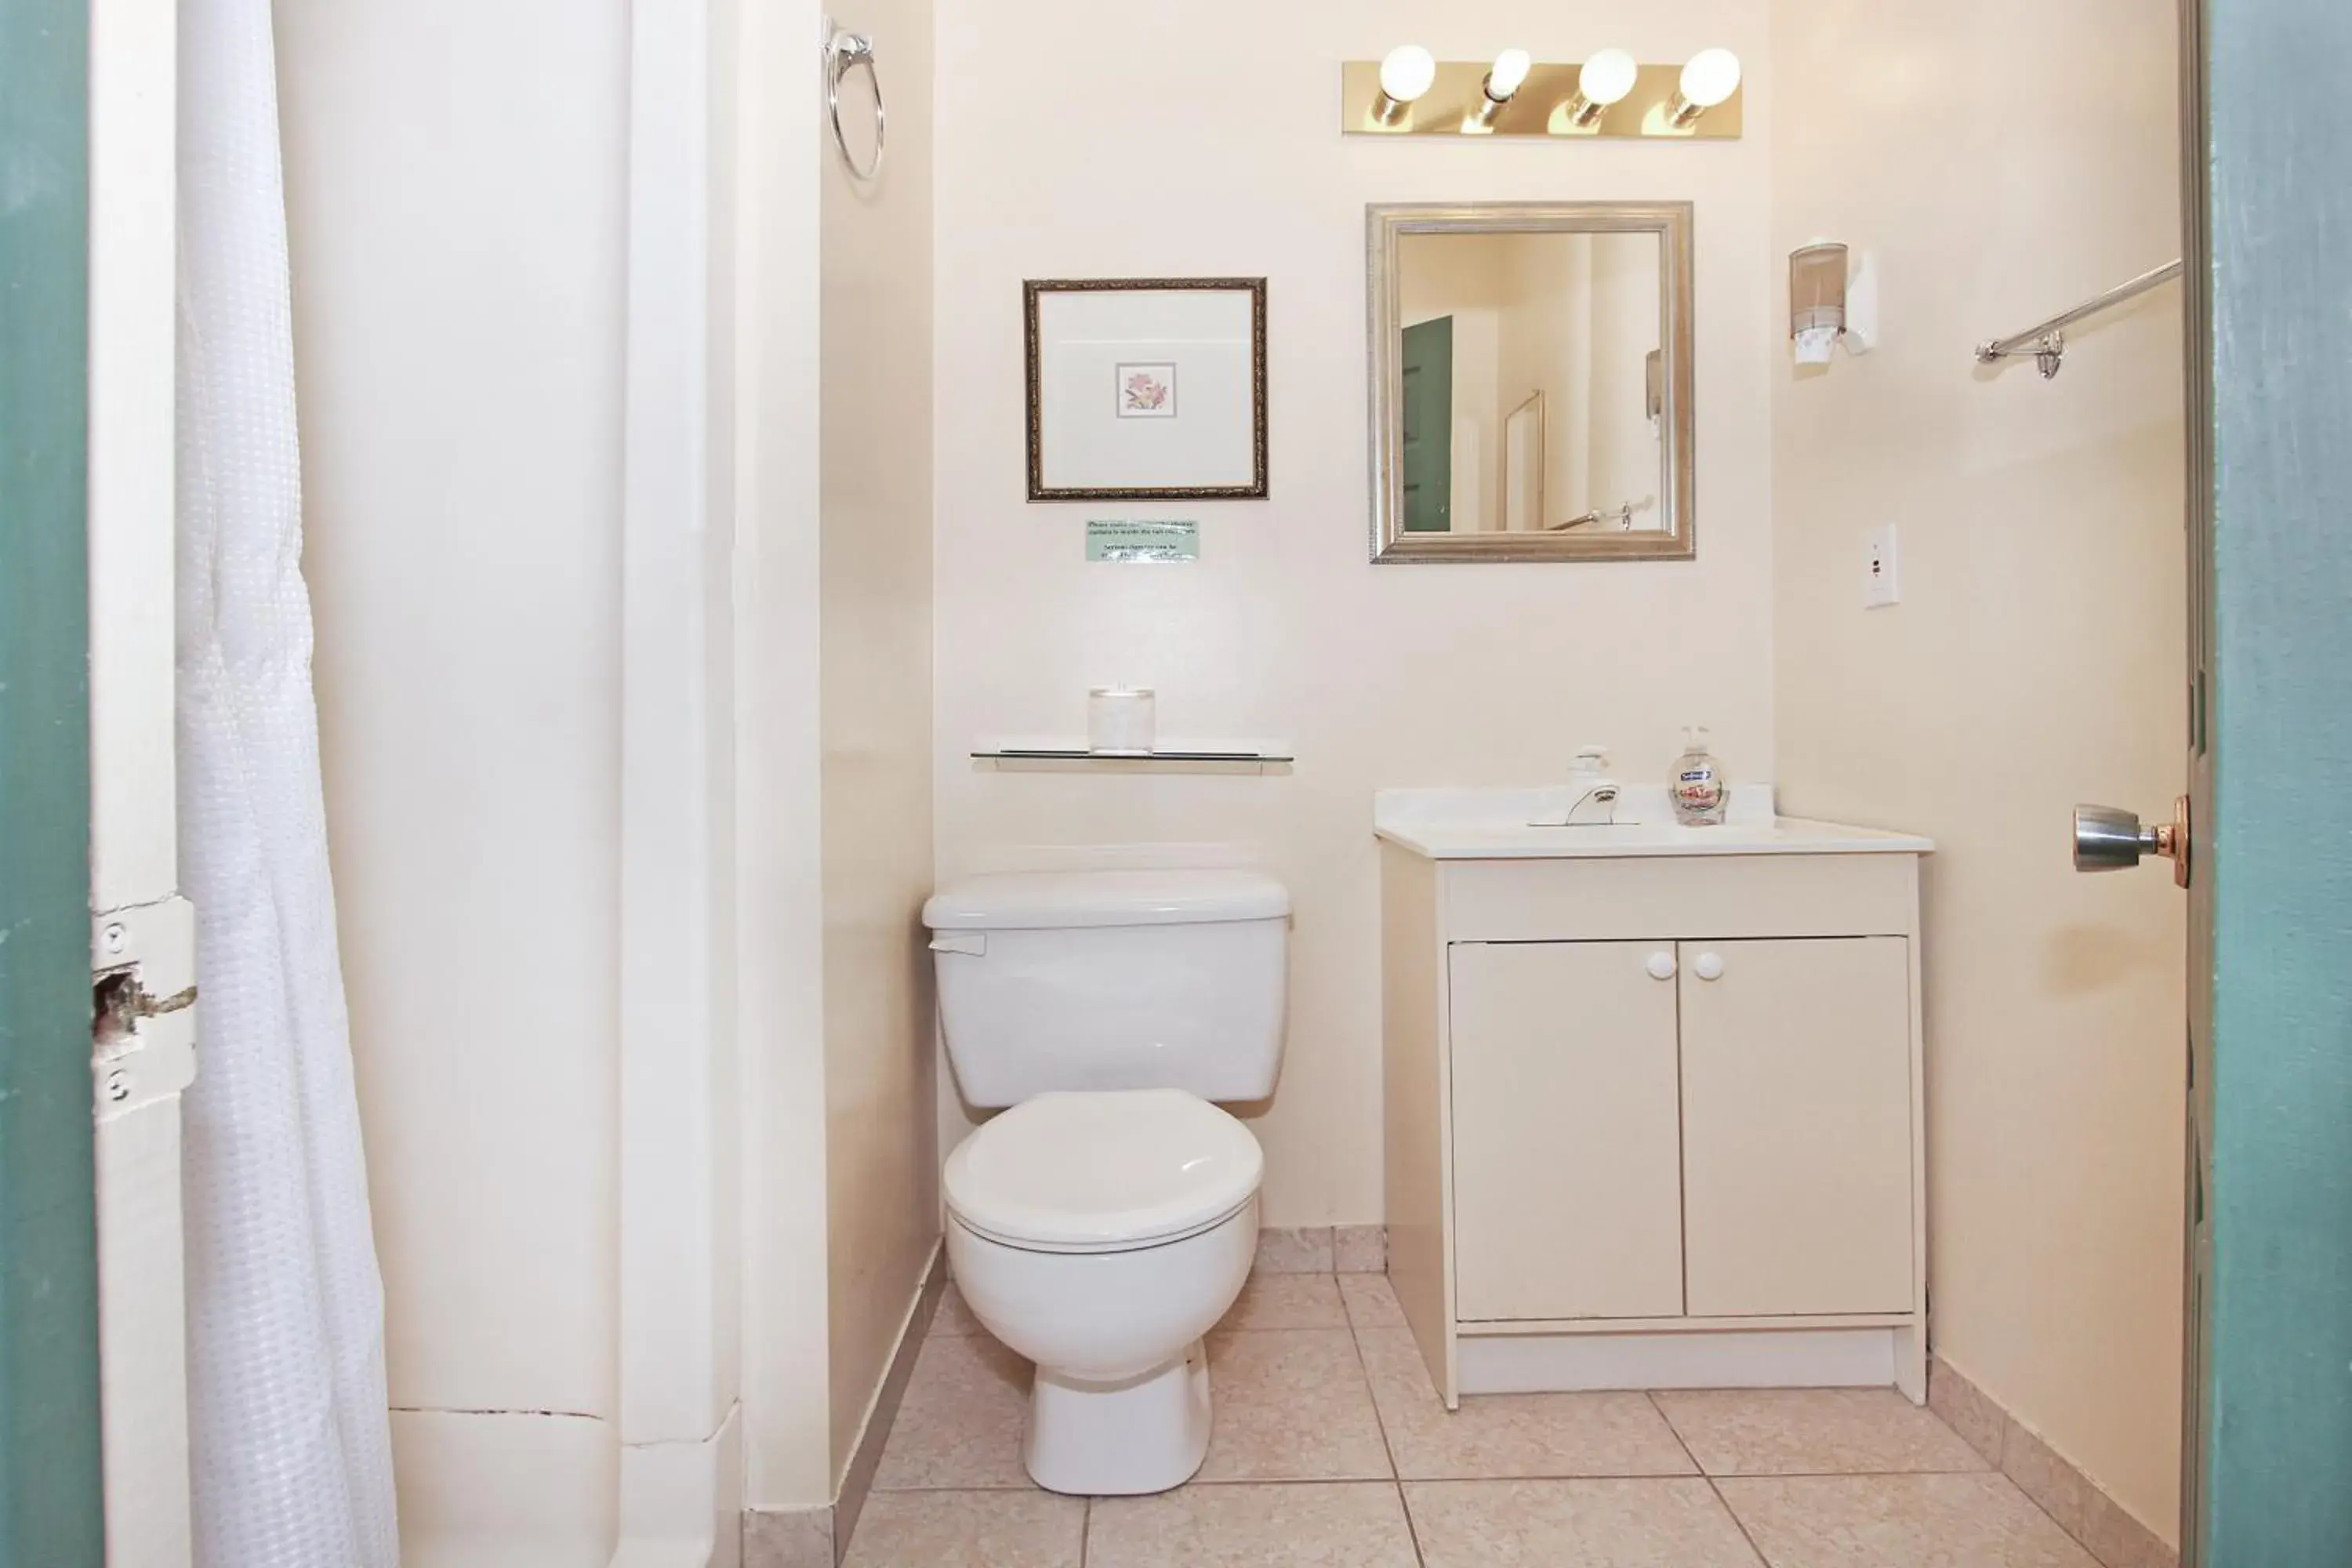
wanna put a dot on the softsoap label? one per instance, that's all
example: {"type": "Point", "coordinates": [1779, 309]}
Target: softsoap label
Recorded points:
{"type": "Point", "coordinates": [1112, 539]}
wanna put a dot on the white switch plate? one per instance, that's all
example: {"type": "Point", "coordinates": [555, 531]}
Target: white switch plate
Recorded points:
{"type": "Point", "coordinates": [1882, 570]}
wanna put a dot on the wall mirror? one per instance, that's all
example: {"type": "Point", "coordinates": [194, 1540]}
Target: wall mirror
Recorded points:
{"type": "Point", "coordinates": [1531, 382]}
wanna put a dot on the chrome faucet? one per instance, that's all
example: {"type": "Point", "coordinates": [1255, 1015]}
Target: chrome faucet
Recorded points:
{"type": "Point", "coordinates": [1596, 807]}
{"type": "Point", "coordinates": [1594, 802]}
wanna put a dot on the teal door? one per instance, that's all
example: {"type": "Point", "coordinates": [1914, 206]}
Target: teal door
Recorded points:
{"type": "Point", "coordinates": [49, 1485]}
{"type": "Point", "coordinates": [1427, 439]}
{"type": "Point", "coordinates": [2268, 1456]}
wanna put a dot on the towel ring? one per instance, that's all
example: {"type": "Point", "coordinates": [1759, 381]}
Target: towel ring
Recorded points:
{"type": "Point", "coordinates": [844, 53]}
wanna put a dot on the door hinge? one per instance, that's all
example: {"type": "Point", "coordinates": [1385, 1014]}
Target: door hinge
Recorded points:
{"type": "Point", "coordinates": [142, 1032]}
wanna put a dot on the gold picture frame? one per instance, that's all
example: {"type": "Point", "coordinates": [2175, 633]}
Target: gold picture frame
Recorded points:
{"type": "Point", "coordinates": [1082, 448]}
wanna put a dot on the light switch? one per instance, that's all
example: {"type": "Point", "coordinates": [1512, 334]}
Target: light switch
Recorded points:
{"type": "Point", "coordinates": [1882, 580]}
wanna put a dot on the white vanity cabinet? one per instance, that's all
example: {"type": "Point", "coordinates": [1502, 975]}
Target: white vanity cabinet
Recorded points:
{"type": "Point", "coordinates": [1653, 1112]}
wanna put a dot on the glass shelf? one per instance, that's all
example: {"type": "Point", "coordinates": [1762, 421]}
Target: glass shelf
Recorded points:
{"type": "Point", "coordinates": [1054, 756]}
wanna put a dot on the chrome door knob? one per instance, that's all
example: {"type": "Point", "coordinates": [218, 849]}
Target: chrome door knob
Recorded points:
{"type": "Point", "coordinates": [2107, 839]}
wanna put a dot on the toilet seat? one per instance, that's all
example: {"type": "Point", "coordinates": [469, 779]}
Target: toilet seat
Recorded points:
{"type": "Point", "coordinates": [1103, 1172]}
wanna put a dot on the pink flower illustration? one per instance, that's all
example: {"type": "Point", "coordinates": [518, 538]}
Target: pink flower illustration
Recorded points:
{"type": "Point", "coordinates": [1146, 392]}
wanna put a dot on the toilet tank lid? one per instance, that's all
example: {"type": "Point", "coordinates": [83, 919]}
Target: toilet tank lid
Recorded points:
{"type": "Point", "coordinates": [1049, 900]}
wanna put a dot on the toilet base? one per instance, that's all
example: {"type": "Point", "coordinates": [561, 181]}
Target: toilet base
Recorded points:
{"type": "Point", "coordinates": [1146, 1434]}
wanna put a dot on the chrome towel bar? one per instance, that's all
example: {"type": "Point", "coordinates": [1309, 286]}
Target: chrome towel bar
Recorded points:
{"type": "Point", "coordinates": [2047, 342]}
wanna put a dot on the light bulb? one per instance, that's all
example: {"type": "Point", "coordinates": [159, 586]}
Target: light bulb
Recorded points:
{"type": "Point", "coordinates": [1407, 72]}
{"type": "Point", "coordinates": [1510, 70]}
{"type": "Point", "coordinates": [1608, 76]}
{"type": "Point", "coordinates": [1712, 75]}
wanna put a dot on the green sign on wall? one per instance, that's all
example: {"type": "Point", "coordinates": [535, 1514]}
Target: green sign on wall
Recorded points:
{"type": "Point", "coordinates": [1111, 539]}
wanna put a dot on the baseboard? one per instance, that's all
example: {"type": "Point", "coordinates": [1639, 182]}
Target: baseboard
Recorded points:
{"type": "Point", "coordinates": [819, 1537]}
{"type": "Point", "coordinates": [2105, 1529]}
{"type": "Point", "coordinates": [1323, 1249]}
{"type": "Point", "coordinates": [858, 1475]}
{"type": "Point", "coordinates": [1569, 1363]}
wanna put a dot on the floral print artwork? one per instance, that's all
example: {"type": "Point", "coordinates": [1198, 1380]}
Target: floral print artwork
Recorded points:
{"type": "Point", "coordinates": [1147, 392]}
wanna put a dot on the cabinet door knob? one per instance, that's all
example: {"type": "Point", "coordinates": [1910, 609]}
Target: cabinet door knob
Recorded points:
{"type": "Point", "coordinates": [1709, 967]}
{"type": "Point", "coordinates": [1662, 965]}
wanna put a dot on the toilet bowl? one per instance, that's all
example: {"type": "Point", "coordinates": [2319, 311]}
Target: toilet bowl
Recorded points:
{"type": "Point", "coordinates": [1101, 1234]}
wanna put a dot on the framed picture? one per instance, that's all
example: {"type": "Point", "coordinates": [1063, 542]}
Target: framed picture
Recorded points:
{"type": "Point", "coordinates": [1147, 389]}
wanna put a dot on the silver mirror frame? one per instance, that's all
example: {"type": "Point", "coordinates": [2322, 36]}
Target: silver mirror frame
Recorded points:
{"type": "Point", "coordinates": [1384, 225]}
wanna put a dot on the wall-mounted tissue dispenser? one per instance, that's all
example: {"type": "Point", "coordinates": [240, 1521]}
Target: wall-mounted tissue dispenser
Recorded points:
{"type": "Point", "coordinates": [1832, 297]}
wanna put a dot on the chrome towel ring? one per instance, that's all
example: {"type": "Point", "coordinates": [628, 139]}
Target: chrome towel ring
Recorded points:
{"type": "Point", "coordinates": [844, 52]}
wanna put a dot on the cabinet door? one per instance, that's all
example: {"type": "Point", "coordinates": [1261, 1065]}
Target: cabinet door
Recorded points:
{"type": "Point", "coordinates": [1797, 1126]}
{"type": "Point", "coordinates": [1567, 1174]}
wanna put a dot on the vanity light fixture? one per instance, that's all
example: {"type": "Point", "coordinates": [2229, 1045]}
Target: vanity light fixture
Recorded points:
{"type": "Point", "coordinates": [1406, 73]}
{"type": "Point", "coordinates": [1711, 76]}
{"type": "Point", "coordinates": [1504, 78]}
{"type": "Point", "coordinates": [1604, 81]}
{"type": "Point", "coordinates": [1609, 95]}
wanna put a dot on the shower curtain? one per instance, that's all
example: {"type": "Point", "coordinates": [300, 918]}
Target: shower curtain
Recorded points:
{"type": "Point", "coordinates": [291, 1450]}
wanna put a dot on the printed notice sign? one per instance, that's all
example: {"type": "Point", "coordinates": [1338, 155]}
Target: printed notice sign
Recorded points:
{"type": "Point", "coordinates": [1113, 540]}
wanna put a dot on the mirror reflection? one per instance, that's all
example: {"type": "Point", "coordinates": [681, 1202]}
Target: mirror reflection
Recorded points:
{"type": "Point", "coordinates": [1531, 378]}
{"type": "Point", "coordinates": [1531, 372]}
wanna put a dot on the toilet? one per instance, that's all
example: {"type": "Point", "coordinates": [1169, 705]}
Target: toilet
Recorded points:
{"type": "Point", "coordinates": [1107, 1218]}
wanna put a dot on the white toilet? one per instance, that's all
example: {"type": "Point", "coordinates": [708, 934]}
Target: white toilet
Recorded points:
{"type": "Point", "coordinates": [1103, 1223]}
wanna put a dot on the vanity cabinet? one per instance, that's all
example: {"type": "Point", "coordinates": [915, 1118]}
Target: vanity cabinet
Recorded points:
{"type": "Point", "coordinates": [1656, 1120]}
{"type": "Point", "coordinates": [1796, 1116]}
{"type": "Point", "coordinates": [1565, 1085]}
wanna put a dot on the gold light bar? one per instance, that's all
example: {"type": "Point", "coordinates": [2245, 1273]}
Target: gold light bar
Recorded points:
{"type": "Point", "coordinates": [1550, 102]}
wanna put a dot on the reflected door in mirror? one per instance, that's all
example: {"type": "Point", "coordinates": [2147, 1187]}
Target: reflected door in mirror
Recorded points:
{"type": "Point", "coordinates": [1428, 435]}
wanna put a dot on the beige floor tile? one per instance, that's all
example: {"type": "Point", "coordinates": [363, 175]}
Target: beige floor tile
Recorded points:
{"type": "Point", "coordinates": [1813, 1432]}
{"type": "Point", "coordinates": [1291, 1404]}
{"type": "Point", "coordinates": [1899, 1522]}
{"type": "Point", "coordinates": [954, 1316]}
{"type": "Point", "coordinates": [961, 1422]}
{"type": "Point", "coordinates": [1575, 1524]}
{"type": "Point", "coordinates": [1360, 1248]}
{"type": "Point", "coordinates": [1372, 1302]}
{"type": "Point", "coordinates": [1301, 1251]}
{"type": "Point", "coordinates": [802, 1539]}
{"type": "Point", "coordinates": [969, 1529]}
{"type": "Point", "coordinates": [1344, 1526]}
{"type": "Point", "coordinates": [1503, 1436]}
{"type": "Point", "coordinates": [1287, 1302]}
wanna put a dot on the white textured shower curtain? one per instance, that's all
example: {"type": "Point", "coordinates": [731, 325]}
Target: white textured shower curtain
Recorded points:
{"type": "Point", "coordinates": [291, 1448]}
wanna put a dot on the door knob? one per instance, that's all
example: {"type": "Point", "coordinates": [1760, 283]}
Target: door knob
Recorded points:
{"type": "Point", "coordinates": [1662, 966]}
{"type": "Point", "coordinates": [2107, 839]}
{"type": "Point", "coordinates": [1709, 967]}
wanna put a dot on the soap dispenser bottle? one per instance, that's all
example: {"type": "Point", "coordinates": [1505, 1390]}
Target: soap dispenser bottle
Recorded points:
{"type": "Point", "coordinates": [1700, 792]}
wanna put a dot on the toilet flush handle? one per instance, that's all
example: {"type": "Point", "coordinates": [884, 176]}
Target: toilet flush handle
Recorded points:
{"type": "Point", "coordinates": [974, 944]}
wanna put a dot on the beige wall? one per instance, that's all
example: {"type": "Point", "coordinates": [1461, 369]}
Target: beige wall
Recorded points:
{"type": "Point", "coordinates": [833, 737]}
{"type": "Point", "coordinates": [875, 663]}
{"type": "Point", "coordinates": [2037, 657]}
{"type": "Point", "coordinates": [1080, 140]}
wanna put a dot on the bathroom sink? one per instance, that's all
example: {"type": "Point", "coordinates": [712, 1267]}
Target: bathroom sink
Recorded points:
{"type": "Point", "coordinates": [1502, 825]}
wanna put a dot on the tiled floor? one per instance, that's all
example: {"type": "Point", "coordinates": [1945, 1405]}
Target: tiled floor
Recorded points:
{"type": "Point", "coordinates": [1331, 1451]}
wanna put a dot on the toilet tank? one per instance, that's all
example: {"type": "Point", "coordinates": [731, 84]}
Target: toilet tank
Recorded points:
{"type": "Point", "coordinates": [1099, 980]}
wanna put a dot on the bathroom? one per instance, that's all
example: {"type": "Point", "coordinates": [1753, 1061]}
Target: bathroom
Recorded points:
{"type": "Point", "coordinates": [693, 602]}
